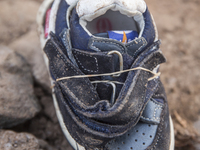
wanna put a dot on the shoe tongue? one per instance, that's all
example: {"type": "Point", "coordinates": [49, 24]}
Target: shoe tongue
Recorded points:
{"type": "Point", "coordinates": [123, 36]}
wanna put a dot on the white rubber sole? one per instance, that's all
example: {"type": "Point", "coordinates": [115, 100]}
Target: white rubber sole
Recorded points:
{"type": "Point", "coordinates": [40, 18]}
{"type": "Point", "coordinates": [172, 141]}
{"type": "Point", "coordinates": [73, 143]}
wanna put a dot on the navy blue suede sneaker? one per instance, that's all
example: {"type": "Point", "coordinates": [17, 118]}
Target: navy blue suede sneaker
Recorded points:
{"type": "Point", "coordinates": [103, 58]}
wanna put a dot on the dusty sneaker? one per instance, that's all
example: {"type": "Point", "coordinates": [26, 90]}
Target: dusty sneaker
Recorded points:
{"type": "Point", "coordinates": [103, 59]}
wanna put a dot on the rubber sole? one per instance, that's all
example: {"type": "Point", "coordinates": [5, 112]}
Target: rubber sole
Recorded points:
{"type": "Point", "coordinates": [172, 141]}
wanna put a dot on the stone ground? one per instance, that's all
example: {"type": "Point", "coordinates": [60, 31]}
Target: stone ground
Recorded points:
{"type": "Point", "coordinates": [178, 26]}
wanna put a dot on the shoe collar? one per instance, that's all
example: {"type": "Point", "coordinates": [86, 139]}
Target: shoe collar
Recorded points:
{"type": "Point", "coordinates": [80, 36]}
{"type": "Point", "coordinates": [64, 16]}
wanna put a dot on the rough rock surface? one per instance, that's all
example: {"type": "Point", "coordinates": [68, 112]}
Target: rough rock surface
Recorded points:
{"type": "Point", "coordinates": [17, 101]}
{"type": "Point", "coordinates": [45, 125]}
{"type": "Point", "coordinates": [19, 30]}
{"type": "Point", "coordinates": [28, 46]}
{"type": "Point", "coordinates": [10, 140]}
{"type": "Point", "coordinates": [17, 18]}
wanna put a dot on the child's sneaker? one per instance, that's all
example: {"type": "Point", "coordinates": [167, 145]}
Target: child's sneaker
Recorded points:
{"type": "Point", "coordinates": [103, 58]}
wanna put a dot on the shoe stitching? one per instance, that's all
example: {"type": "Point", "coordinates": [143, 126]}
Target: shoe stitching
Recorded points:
{"type": "Point", "coordinates": [66, 44]}
{"type": "Point", "coordinates": [93, 41]}
{"type": "Point", "coordinates": [159, 105]}
{"type": "Point", "coordinates": [159, 95]}
{"type": "Point", "coordinates": [59, 54]}
{"type": "Point", "coordinates": [96, 62]}
{"type": "Point", "coordinates": [139, 105]}
{"type": "Point", "coordinates": [92, 46]}
{"type": "Point", "coordinates": [145, 42]}
{"type": "Point", "coordinates": [142, 39]}
{"type": "Point", "coordinates": [159, 136]}
{"type": "Point", "coordinates": [154, 114]}
{"type": "Point", "coordinates": [153, 89]}
{"type": "Point", "coordinates": [63, 39]}
{"type": "Point", "coordinates": [159, 133]}
{"type": "Point", "coordinates": [69, 66]}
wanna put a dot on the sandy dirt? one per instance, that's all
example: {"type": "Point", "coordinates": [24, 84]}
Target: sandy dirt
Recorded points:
{"type": "Point", "coordinates": [178, 27]}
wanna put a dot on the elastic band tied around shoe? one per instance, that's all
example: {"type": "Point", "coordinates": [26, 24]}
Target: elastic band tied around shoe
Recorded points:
{"type": "Point", "coordinates": [113, 73]}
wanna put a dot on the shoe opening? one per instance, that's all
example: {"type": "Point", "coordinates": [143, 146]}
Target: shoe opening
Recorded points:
{"type": "Point", "coordinates": [112, 20]}
{"type": "Point", "coordinates": [113, 17]}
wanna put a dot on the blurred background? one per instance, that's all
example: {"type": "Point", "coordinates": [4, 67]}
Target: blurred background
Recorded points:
{"type": "Point", "coordinates": [27, 115]}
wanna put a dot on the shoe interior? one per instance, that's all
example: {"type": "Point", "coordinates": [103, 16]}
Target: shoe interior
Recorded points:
{"type": "Point", "coordinates": [112, 20]}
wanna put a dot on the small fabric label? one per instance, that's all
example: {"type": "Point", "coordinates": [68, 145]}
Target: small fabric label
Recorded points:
{"type": "Point", "coordinates": [46, 30]}
{"type": "Point", "coordinates": [123, 36]}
